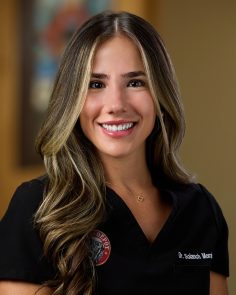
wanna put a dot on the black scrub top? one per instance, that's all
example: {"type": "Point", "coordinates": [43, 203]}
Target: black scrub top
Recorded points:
{"type": "Point", "coordinates": [192, 243]}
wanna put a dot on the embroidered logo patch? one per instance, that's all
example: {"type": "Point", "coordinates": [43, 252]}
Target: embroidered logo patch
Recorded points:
{"type": "Point", "coordinates": [100, 247]}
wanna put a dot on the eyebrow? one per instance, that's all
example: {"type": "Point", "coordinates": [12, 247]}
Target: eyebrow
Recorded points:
{"type": "Point", "coordinates": [126, 75]}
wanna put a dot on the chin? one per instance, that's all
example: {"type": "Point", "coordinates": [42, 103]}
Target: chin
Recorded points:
{"type": "Point", "coordinates": [114, 155]}
{"type": "Point", "coordinates": [120, 152]}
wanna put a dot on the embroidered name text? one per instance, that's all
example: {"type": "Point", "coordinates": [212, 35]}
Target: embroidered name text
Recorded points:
{"type": "Point", "coordinates": [197, 256]}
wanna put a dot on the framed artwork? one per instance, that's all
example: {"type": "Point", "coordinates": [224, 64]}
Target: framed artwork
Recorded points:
{"type": "Point", "coordinates": [46, 27]}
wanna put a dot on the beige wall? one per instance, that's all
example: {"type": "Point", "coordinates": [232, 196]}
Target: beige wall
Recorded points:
{"type": "Point", "coordinates": [201, 38]}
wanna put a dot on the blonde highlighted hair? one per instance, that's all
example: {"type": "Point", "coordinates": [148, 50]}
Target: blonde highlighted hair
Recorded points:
{"type": "Point", "coordinates": [74, 197]}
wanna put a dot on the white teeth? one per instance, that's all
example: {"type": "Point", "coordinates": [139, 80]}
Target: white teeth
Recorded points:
{"type": "Point", "coordinates": [119, 127]}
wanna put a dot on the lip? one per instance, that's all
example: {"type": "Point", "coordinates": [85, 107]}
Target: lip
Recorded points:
{"type": "Point", "coordinates": [121, 133]}
{"type": "Point", "coordinates": [117, 122]}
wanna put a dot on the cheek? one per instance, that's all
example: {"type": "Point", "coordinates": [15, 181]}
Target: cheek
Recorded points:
{"type": "Point", "coordinates": [89, 110]}
{"type": "Point", "coordinates": [89, 113]}
{"type": "Point", "coordinates": [150, 114]}
{"type": "Point", "coordinates": [147, 107]}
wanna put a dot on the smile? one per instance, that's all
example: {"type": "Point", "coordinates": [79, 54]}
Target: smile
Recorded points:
{"type": "Point", "coordinates": [119, 127]}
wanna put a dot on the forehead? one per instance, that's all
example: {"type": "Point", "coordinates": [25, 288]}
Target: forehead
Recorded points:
{"type": "Point", "coordinates": [120, 52]}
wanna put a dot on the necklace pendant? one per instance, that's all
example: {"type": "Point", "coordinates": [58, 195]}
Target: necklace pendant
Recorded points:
{"type": "Point", "coordinates": [140, 198]}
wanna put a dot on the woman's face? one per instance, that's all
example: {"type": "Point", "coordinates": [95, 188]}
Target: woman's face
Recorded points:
{"type": "Point", "coordinates": [119, 111]}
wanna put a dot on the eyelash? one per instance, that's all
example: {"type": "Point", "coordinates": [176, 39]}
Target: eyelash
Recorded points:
{"type": "Point", "coordinates": [94, 84]}
{"type": "Point", "coordinates": [138, 83]}
{"type": "Point", "coordinates": [133, 83]}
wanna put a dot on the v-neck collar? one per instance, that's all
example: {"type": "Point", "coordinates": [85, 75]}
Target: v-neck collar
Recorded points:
{"type": "Point", "coordinates": [123, 215]}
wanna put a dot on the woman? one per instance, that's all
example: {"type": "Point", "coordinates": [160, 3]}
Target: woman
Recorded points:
{"type": "Point", "coordinates": [116, 213]}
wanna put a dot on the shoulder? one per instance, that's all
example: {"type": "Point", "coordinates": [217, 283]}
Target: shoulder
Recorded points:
{"type": "Point", "coordinates": [204, 224]}
{"type": "Point", "coordinates": [195, 199]}
{"type": "Point", "coordinates": [193, 192]}
{"type": "Point", "coordinates": [29, 194]}
{"type": "Point", "coordinates": [25, 201]}
{"type": "Point", "coordinates": [21, 250]}
{"type": "Point", "coordinates": [32, 189]}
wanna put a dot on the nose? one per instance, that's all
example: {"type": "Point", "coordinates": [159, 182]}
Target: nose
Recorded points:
{"type": "Point", "coordinates": [115, 101]}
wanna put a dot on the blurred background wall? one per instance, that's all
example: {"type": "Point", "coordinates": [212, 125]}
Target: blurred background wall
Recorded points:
{"type": "Point", "coordinates": [201, 39]}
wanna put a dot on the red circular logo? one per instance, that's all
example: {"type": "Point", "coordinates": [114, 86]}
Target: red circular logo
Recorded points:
{"type": "Point", "coordinates": [100, 247]}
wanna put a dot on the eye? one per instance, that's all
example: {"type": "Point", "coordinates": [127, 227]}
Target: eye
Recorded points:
{"type": "Point", "coordinates": [136, 83]}
{"type": "Point", "coordinates": [96, 85]}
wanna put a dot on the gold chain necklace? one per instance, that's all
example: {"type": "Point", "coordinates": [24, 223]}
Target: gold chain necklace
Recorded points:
{"type": "Point", "coordinates": [139, 197]}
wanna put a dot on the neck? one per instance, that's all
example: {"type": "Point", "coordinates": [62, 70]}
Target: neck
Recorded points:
{"type": "Point", "coordinates": [131, 172]}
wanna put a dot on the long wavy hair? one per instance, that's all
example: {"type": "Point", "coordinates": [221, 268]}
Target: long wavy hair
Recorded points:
{"type": "Point", "coordinates": [73, 202]}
